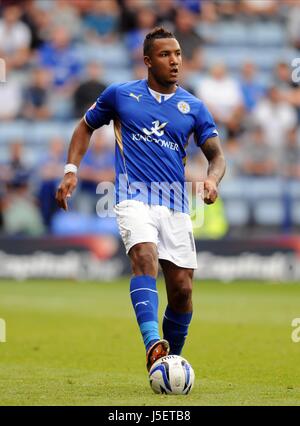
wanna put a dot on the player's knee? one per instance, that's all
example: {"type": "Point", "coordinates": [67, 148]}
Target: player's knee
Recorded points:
{"type": "Point", "coordinates": [183, 296]}
{"type": "Point", "coordinates": [144, 261]}
{"type": "Point", "coordinates": [181, 300]}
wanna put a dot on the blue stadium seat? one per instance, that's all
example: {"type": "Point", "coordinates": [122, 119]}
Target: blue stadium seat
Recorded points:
{"type": "Point", "coordinates": [264, 188]}
{"type": "Point", "coordinates": [293, 188]}
{"type": "Point", "coordinates": [237, 212]}
{"type": "Point", "coordinates": [269, 212]}
{"type": "Point", "coordinates": [117, 75]}
{"type": "Point", "coordinates": [37, 132]}
{"type": "Point", "coordinates": [110, 55]}
{"type": "Point", "coordinates": [75, 223]}
{"type": "Point", "coordinates": [296, 212]}
{"type": "Point", "coordinates": [237, 34]}
{"type": "Point", "coordinates": [232, 189]}
{"type": "Point", "coordinates": [267, 34]}
{"type": "Point", "coordinates": [13, 130]}
{"type": "Point", "coordinates": [264, 58]}
{"type": "Point", "coordinates": [43, 132]}
{"type": "Point", "coordinates": [3, 153]}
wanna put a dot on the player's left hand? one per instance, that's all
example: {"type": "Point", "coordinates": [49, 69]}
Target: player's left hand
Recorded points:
{"type": "Point", "coordinates": [210, 190]}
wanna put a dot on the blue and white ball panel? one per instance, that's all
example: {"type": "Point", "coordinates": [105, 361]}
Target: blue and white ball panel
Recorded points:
{"type": "Point", "coordinates": [172, 375]}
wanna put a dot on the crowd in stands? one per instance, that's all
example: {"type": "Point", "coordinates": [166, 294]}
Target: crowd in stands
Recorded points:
{"type": "Point", "coordinates": [61, 54]}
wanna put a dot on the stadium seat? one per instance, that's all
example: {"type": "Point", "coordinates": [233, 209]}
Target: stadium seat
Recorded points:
{"type": "Point", "coordinates": [296, 212]}
{"type": "Point", "coordinates": [36, 133]}
{"type": "Point", "coordinates": [263, 188]}
{"type": "Point", "coordinates": [237, 212]}
{"type": "Point", "coordinates": [238, 34]}
{"type": "Point", "coordinates": [110, 55]}
{"type": "Point", "coordinates": [264, 58]}
{"type": "Point", "coordinates": [293, 188]}
{"type": "Point", "coordinates": [78, 224]}
{"type": "Point", "coordinates": [267, 34]}
{"type": "Point", "coordinates": [45, 131]}
{"type": "Point", "coordinates": [117, 75]}
{"type": "Point", "coordinates": [269, 212]}
{"type": "Point", "coordinates": [232, 189]}
{"type": "Point", "coordinates": [13, 130]}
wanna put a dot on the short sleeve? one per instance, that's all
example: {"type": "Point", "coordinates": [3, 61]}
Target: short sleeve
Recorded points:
{"type": "Point", "coordinates": [205, 126]}
{"type": "Point", "coordinates": [103, 110]}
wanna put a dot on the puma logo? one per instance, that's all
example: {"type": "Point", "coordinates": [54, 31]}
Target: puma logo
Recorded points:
{"type": "Point", "coordinates": [142, 303]}
{"type": "Point", "coordinates": [137, 97]}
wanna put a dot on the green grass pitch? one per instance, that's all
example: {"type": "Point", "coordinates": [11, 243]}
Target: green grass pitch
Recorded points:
{"type": "Point", "coordinates": [74, 343]}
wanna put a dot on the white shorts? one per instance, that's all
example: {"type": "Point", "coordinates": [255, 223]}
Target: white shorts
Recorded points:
{"type": "Point", "coordinates": [171, 231]}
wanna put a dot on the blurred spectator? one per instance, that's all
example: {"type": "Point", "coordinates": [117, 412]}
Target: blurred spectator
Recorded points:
{"type": "Point", "coordinates": [289, 90]}
{"type": "Point", "coordinates": [192, 5]}
{"type": "Point", "coordinates": [50, 170]}
{"type": "Point", "coordinates": [166, 12]}
{"type": "Point", "coordinates": [234, 156]}
{"type": "Point", "coordinates": [223, 97]}
{"type": "Point", "coordinates": [293, 22]}
{"type": "Point", "coordinates": [226, 9]}
{"type": "Point", "coordinates": [209, 11]}
{"type": "Point", "coordinates": [19, 210]}
{"type": "Point", "coordinates": [10, 98]}
{"type": "Point", "coordinates": [21, 215]}
{"type": "Point", "coordinates": [52, 162]}
{"type": "Point", "coordinates": [88, 91]}
{"type": "Point", "coordinates": [59, 57]}
{"type": "Point", "coordinates": [146, 21]}
{"type": "Point", "coordinates": [16, 167]}
{"type": "Point", "coordinates": [276, 117]}
{"type": "Point", "coordinates": [260, 8]}
{"type": "Point", "coordinates": [292, 97]}
{"type": "Point", "coordinates": [39, 19]}
{"type": "Point", "coordinates": [185, 81]}
{"type": "Point", "coordinates": [283, 77]}
{"type": "Point", "coordinates": [290, 165]}
{"type": "Point", "coordinates": [129, 10]}
{"type": "Point", "coordinates": [32, 16]}
{"type": "Point", "coordinates": [15, 38]}
{"type": "Point", "coordinates": [189, 40]}
{"type": "Point", "coordinates": [36, 96]}
{"type": "Point", "coordinates": [257, 159]}
{"type": "Point", "coordinates": [64, 14]}
{"type": "Point", "coordinates": [82, 6]}
{"type": "Point", "coordinates": [102, 21]}
{"type": "Point", "coordinates": [252, 90]}
{"type": "Point", "coordinates": [97, 166]}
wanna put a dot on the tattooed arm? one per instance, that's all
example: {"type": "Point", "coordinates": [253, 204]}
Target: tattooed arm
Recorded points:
{"type": "Point", "coordinates": [216, 168]}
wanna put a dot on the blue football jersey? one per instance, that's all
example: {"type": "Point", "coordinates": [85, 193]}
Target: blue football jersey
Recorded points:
{"type": "Point", "coordinates": [151, 140]}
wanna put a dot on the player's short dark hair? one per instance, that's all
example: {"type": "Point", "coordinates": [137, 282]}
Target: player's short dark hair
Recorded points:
{"type": "Point", "coordinates": [157, 33]}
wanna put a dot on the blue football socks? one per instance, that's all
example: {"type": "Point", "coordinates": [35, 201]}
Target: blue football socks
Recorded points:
{"type": "Point", "coordinates": [175, 329]}
{"type": "Point", "coordinates": [144, 299]}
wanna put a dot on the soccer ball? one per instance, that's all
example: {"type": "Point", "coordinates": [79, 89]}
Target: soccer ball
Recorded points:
{"type": "Point", "coordinates": [172, 375]}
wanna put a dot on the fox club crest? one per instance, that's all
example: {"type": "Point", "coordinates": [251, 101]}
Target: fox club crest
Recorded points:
{"type": "Point", "coordinates": [183, 107]}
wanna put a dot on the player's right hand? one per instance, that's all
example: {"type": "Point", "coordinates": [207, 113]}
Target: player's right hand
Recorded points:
{"type": "Point", "coordinates": [65, 190]}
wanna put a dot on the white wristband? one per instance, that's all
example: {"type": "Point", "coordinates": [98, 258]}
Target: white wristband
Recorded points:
{"type": "Point", "coordinates": [70, 168]}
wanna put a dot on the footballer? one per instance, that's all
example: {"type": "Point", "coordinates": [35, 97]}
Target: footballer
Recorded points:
{"type": "Point", "coordinates": [153, 120]}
